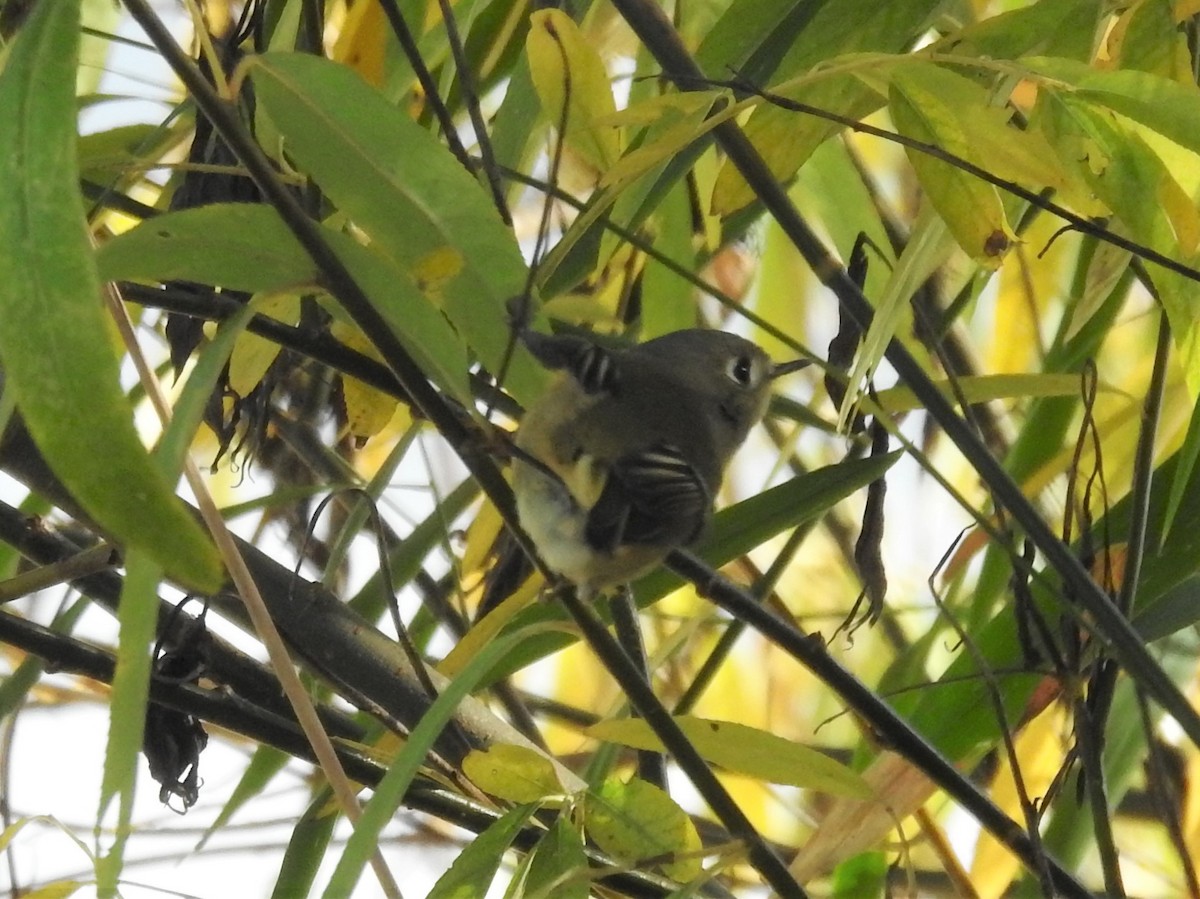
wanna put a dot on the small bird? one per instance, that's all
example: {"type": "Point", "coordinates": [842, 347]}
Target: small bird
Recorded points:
{"type": "Point", "coordinates": [619, 461]}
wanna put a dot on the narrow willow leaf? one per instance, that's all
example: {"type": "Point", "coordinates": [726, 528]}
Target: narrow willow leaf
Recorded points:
{"type": "Point", "coordinates": [266, 762]}
{"type": "Point", "coordinates": [515, 773]}
{"type": "Point", "coordinates": [252, 355]}
{"type": "Point", "coordinates": [970, 207]}
{"type": "Point", "coordinates": [568, 71]}
{"type": "Point", "coordinates": [929, 245]}
{"type": "Point", "coordinates": [62, 372]}
{"type": "Point", "coordinates": [240, 246]}
{"type": "Point", "coordinates": [206, 245]}
{"type": "Point", "coordinates": [1137, 185]}
{"type": "Point", "coordinates": [559, 867]}
{"type": "Point", "coordinates": [679, 125]}
{"type": "Point", "coordinates": [735, 531]}
{"type": "Point", "coordinates": [58, 890]}
{"type": "Point", "coordinates": [745, 750]}
{"type": "Point", "coordinates": [986, 388]}
{"type": "Point", "coordinates": [307, 847]}
{"type": "Point", "coordinates": [1172, 108]}
{"type": "Point", "coordinates": [752, 522]}
{"type": "Point", "coordinates": [785, 138]}
{"type": "Point", "coordinates": [1064, 28]}
{"type": "Point", "coordinates": [389, 793]}
{"type": "Point", "coordinates": [138, 618]}
{"type": "Point", "coordinates": [420, 208]}
{"type": "Point", "coordinates": [1186, 463]}
{"type": "Point", "coordinates": [475, 868]}
{"type": "Point", "coordinates": [636, 821]}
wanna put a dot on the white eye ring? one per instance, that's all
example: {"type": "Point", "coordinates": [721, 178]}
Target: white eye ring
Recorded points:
{"type": "Point", "coordinates": [741, 370]}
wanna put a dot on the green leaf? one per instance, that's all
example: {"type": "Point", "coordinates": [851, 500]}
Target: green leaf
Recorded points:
{"type": "Point", "coordinates": [515, 773]}
{"type": "Point", "coordinates": [390, 791]}
{"type": "Point", "coordinates": [1170, 613]}
{"type": "Point", "coordinates": [568, 71]}
{"type": "Point", "coordinates": [745, 750]}
{"type": "Point", "coordinates": [1136, 184]}
{"type": "Point", "coordinates": [138, 618]}
{"type": "Point", "coordinates": [750, 523]}
{"type": "Point", "coordinates": [735, 531]}
{"type": "Point", "coordinates": [1186, 462]}
{"type": "Point", "coordinates": [1161, 104]}
{"type": "Point", "coordinates": [238, 246]}
{"type": "Point", "coordinates": [475, 868]}
{"type": "Point", "coordinates": [785, 138]}
{"type": "Point", "coordinates": [247, 247]}
{"type": "Point", "coordinates": [397, 182]}
{"type": "Point", "coordinates": [986, 388]}
{"type": "Point", "coordinates": [636, 821]}
{"type": "Point", "coordinates": [559, 867]}
{"type": "Point", "coordinates": [307, 847]}
{"type": "Point", "coordinates": [266, 762]}
{"type": "Point", "coordinates": [57, 359]}
{"type": "Point", "coordinates": [926, 104]}
{"type": "Point", "coordinates": [929, 245]}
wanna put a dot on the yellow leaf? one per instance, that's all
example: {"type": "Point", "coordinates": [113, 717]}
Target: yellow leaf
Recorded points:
{"type": "Point", "coordinates": [851, 827]}
{"type": "Point", "coordinates": [252, 355]}
{"type": "Point", "coordinates": [745, 750]}
{"type": "Point", "coordinates": [59, 890]}
{"type": "Point", "coordinates": [515, 773]}
{"type": "Point", "coordinates": [970, 207]}
{"type": "Point", "coordinates": [436, 269]}
{"type": "Point", "coordinates": [566, 69]}
{"type": "Point", "coordinates": [638, 821]}
{"type": "Point", "coordinates": [362, 41]}
{"type": "Point", "coordinates": [484, 631]}
{"type": "Point", "coordinates": [368, 411]}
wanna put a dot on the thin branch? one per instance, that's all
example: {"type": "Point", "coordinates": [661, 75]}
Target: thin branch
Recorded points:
{"type": "Point", "coordinates": [408, 44]}
{"type": "Point", "coordinates": [281, 662]}
{"type": "Point", "coordinates": [1099, 612]}
{"type": "Point", "coordinates": [1077, 222]}
{"type": "Point", "coordinates": [892, 729]}
{"type": "Point", "coordinates": [469, 445]}
{"type": "Point", "coordinates": [621, 667]}
{"type": "Point", "coordinates": [466, 79]}
{"type": "Point", "coordinates": [90, 561]}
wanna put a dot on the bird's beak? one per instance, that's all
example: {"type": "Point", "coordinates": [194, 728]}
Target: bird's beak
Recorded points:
{"type": "Point", "coordinates": [786, 368]}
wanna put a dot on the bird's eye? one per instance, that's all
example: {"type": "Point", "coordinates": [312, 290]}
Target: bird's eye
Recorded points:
{"type": "Point", "coordinates": [741, 370]}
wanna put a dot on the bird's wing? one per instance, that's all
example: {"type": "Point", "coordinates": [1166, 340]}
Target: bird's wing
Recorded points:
{"type": "Point", "coordinates": [654, 496]}
{"type": "Point", "coordinates": [592, 366]}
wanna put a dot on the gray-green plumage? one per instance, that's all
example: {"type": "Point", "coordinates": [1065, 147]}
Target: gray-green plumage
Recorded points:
{"type": "Point", "coordinates": [638, 441]}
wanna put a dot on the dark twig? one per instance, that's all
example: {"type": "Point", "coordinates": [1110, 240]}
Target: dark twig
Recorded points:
{"type": "Point", "coordinates": [1077, 222]}
{"type": "Point", "coordinates": [466, 79]}
{"type": "Point", "coordinates": [764, 859]}
{"type": "Point", "coordinates": [1089, 743]}
{"type": "Point", "coordinates": [408, 44]}
{"type": "Point", "coordinates": [879, 716]}
{"type": "Point", "coordinates": [1163, 793]}
{"type": "Point", "coordinates": [1101, 614]}
{"type": "Point", "coordinates": [1028, 809]}
{"type": "Point", "coordinates": [469, 445]}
